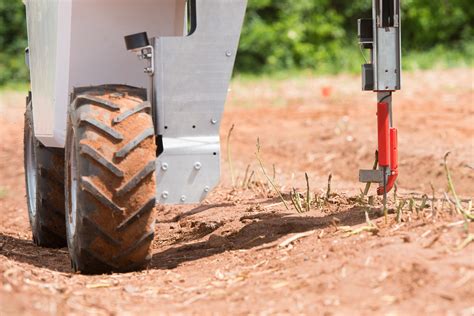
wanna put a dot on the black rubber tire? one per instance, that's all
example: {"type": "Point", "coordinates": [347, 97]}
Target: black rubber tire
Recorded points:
{"type": "Point", "coordinates": [47, 197]}
{"type": "Point", "coordinates": [111, 152]}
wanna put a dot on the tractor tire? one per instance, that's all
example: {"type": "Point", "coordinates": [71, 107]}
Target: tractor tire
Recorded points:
{"type": "Point", "coordinates": [44, 182]}
{"type": "Point", "coordinates": [110, 180]}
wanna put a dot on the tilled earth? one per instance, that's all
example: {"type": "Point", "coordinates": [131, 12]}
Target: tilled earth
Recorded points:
{"type": "Point", "coordinates": [242, 252]}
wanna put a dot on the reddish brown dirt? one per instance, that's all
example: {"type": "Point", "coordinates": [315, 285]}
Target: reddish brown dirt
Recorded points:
{"type": "Point", "coordinates": [233, 254]}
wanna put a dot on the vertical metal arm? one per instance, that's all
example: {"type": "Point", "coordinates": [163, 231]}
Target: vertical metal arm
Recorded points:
{"type": "Point", "coordinates": [381, 35]}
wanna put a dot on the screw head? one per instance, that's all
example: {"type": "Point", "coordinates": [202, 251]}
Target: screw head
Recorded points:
{"type": "Point", "coordinates": [183, 198]}
{"type": "Point", "coordinates": [164, 166]}
{"type": "Point", "coordinates": [197, 165]}
{"type": "Point", "coordinates": [228, 53]}
{"type": "Point", "coordinates": [213, 121]}
{"type": "Point", "coordinates": [206, 189]}
{"type": "Point", "coordinates": [165, 194]}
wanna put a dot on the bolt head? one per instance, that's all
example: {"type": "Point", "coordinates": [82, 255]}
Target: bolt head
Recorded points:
{"type": "Point", "coordinates": [164, 166]}
{"type": "Point", "coordinates": [165, 194]}
{"type": "Point", "coordinates": [183, 198]}
{"type": "Point", "coordinates": [206, 189]}
{"type": "Point", "coordinates": [228, 53]}
{"type": "Point", "coordinates": [197, 165]}
{"type": "Point", "coordinates": [214, 121]}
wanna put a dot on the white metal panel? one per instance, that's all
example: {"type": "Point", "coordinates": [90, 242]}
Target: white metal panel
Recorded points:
{"type": "Point", "coordinates": [42, 24]}
{"type": "Point", "coordinates": [75, 43]}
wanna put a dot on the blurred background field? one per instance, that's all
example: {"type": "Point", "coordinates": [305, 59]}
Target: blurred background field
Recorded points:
{"type": "Point", "coordinates": [286, 37]}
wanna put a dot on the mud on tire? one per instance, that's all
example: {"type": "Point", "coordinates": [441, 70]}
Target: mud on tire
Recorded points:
{"type": "Point", "coordinates": [44, 180]}
{"type": "Point", "coordinates": [110, 179]}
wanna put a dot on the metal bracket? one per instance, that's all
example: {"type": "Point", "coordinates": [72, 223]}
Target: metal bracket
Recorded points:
{"type": "Point", "coordinates": [371, 176]}
{"type": "Point", "coordinates": [374, 176]}
{"type": "Point", "coordinates": [148, 53]}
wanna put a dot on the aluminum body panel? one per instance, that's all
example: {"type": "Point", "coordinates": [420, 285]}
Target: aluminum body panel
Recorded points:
{"type": "Point", "coordinates": [75, 43]}
{"type": "Point", "coordinates": [388, 63]}
{"type": "Point", "coordinates": [192, 76]}
{"type": "Point", "coordinates": [386, 56]}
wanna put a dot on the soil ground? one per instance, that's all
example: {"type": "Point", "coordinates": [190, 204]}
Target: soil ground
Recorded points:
{"type": "Point", "coordinates": [242, 252]}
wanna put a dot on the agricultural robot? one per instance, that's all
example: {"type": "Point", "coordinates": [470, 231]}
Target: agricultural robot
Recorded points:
{"type": "Point", "coordinates": [108, 135]}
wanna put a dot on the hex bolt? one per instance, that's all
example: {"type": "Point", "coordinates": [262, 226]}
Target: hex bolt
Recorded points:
{"type": "Point", "coordinates": [183, 198]}
{"type": "Point", "coordinates": [197, 165]}
{"type": "Point", "coordinates": [213, 121]}
{"type": "Point", "coordinates": [164, 166]}
{"type": "Point", "coordinates": [228, 53]}
{"type": "Point", "coordinates": [165, 194]}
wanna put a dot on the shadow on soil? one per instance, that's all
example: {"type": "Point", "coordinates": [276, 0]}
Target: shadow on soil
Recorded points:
{"type": "Point", "coordinates": [25, 251]}
{"type": "Point", "coordinates": [264, 228]}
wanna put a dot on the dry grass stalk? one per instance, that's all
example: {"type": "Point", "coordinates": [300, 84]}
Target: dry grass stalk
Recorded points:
{"type": "Point", "coordinates": [229, 156]}
{"type": "Point", "coordinates": [433, 199]}
{"type": "Point", "coordinates": [257, 155]}
{"type": "Point", "coordinates": [465, 242]}
{"type": "Point", "coordinates": [295, 237]}
{"type": "Point", "coordinates": [244, 181]}
{"type": "Point", "coordinates": [303, 203]}
{"type": "Point", "coordinates": [296, 201]}
{"type": "Point", "coordinates": [328, 191]}
{"type": "Point", "coordinates": [308, 193]}
{"type": "Point", "coordinates": [468, 215]}
{"type": "Point", "coordinates": [400, 207]}
{"type": "Point", "coordinates": [369, 228]}
{"type": "Point", "coordinates": [423, 202]}
{"type": "Point", "coordinates": [411, 205]}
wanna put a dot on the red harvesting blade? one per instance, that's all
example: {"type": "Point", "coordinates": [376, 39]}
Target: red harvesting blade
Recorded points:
{"type": "Point", "coordinates": [388, 147]}
{"type": "Point", "coordinates": [383, 128]}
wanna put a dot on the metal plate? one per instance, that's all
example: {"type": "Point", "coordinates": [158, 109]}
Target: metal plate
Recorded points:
{"type": "Point", "coordinates": [371, 176]}
{"type": "Point", "coordinates": [388, 61]}
{"type": "Point", "coordinates": [187, 170]}
{"type": "Point", "coordinates": [192, 76]}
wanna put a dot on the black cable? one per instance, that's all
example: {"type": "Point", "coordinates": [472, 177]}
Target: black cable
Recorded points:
{"type": "Point", "coordinates": [384, 98]}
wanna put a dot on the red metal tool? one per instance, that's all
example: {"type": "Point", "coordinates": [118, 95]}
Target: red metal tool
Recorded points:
{"type": "Point", "coordinates": [393, 163]}
{"type": "Point", "coordinates": [388, 148]}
